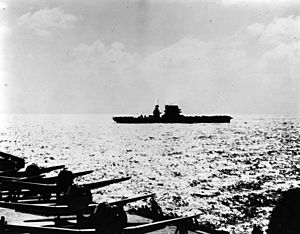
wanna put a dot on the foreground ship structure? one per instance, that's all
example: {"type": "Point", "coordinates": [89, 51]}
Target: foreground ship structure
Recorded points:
{"type": "Point", "coordinates": [172, 114]}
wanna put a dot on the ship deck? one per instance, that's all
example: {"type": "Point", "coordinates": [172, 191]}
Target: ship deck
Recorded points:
{"type": "Point", "coordinates": [167, 230]}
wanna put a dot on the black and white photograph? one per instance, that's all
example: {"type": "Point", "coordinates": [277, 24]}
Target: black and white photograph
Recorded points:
{"type": "Point", "coordinates": [150, 116]}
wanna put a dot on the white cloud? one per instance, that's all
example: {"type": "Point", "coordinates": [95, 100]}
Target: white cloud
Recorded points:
{"type": "Point", "coordinates": [4, 30]}
{"type": "Point", "coordinates": [260, 2]}
{"type": "Point", "coordinates": [254, 71]}
{"type": "Point", "coordinates": [3, 5]}
{"type": "Point", "coordinates": [88, 50]}
{"type": "Point", "coordinates": [256, 68]}
{"type": "Point", "coordinates": [44, 20]}
{"type": "Point", "coordinates": [117, 46]}
{"type": "Point", "coordinates": [97, 55]}
{"type": "Point", "coordinates": [280, 30]}
{"type": "Point", "coordinates": [281, 37]}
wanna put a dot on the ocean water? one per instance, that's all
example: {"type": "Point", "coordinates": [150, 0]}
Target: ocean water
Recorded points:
{"type": "Point", "coordinates": [231, 174]}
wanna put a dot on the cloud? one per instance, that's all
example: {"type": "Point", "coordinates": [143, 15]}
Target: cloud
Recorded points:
{"type": "Point", "coordinates": [45, 20]}
{"type": "Point", "coordinates": [256, 70]}
{"type": "Point", "coordinates": [281, 37]}
{"type": "Point", "coordinates": [278, 62]}
{"type": "Point", "coordinates": [4, 30]}
{"type": "Point", "coordinates": [211, 75]}
{"type": "Point", "coordinates": [280, 30]}
{"type": "Point", "coordinates": [260, 2]}
{"type": "Point", "coordinates": [96, 55]}
{"type": "Point", "coordinates": [3, 5]}
{"type": "Point", "coordinates": [86, 50]}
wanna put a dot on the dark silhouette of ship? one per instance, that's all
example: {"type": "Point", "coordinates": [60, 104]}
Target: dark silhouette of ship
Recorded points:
{"type": "Point", "coordinates": [172, 114]}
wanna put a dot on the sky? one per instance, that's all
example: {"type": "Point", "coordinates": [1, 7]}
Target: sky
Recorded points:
{"type": "Point", "coordinates": [125, 56]}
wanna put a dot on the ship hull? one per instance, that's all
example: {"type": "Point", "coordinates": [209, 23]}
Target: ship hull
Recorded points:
{"type": "Point", "coordinates": [181, 119]}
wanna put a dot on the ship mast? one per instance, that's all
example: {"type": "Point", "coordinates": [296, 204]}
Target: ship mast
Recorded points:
{"type": "Point", "coordinates": [156, 112]}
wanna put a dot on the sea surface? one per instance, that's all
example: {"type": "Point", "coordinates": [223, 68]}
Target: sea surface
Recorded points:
{"type": "Point", "coordinates": [231, 174]}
